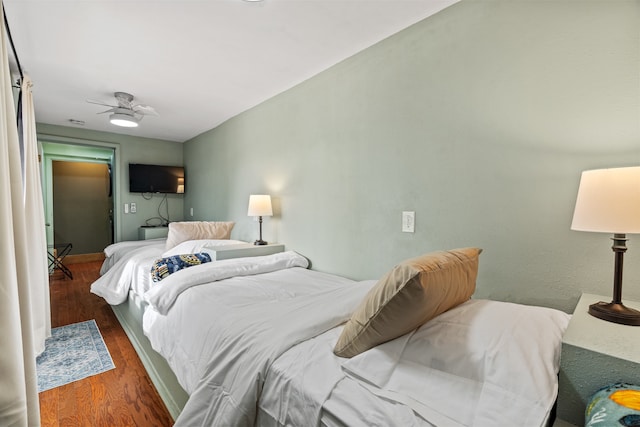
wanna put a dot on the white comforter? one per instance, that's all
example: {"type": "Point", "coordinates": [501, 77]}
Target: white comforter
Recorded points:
{"type": "Point", "coordinates": [130, 272]}
{"type": "Point", "coordinates": [482, 363]}
{"type": "Point", "coordinates": [231, 331]}
{"type": "Point", "coordinates": [128, 265]}
{"type": "Point", "coordinates": [164, 293]}
{"type": "Point", "coordinates": [117, 251]}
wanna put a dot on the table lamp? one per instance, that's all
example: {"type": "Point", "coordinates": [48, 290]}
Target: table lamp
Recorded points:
{"type": "Point", "coordinates": [609, 202]}
{"type": "Point", "coordinates": [260, 205]}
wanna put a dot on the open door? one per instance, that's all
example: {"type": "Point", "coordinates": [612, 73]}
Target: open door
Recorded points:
{"type": "Point", "coordinates": [82, 205]}
{"type": "Point", "coordinates": [74, 180]}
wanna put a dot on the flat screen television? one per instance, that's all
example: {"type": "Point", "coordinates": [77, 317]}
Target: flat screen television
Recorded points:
{"type": "Point", "coordinates": [156, 179]}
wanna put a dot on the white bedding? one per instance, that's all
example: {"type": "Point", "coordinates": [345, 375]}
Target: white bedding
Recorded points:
{"type": "Point", "coordinates": [232, 330]}
{"type": "Point", "coordinates": [308, 382]}
{"type": "Point", "coordinates": [500, 359]}
{"type": "Point", "coordinates": [484, 363]}
{"type": "Point", "coordinates": [266, 340]}
{"type": "Point", "coordinates": [117, 251]}
{"type": "Point", "coordinates": [131, 272]}
{"type": "Point", "coordinates": [163, 294]}
{"type": "Point", "coordinates": [133, 261]}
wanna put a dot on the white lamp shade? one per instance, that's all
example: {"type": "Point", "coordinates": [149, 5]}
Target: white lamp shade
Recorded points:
{"type": "Point", "coordinates": [260, 205]}
{"type": "Point", "coordinates": [608, 201]}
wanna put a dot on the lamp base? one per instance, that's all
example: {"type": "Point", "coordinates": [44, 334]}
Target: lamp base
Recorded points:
{"type": "Point", "coordinates": [616, 313]}
{"type": "Point", "coordinates": [260, 242]}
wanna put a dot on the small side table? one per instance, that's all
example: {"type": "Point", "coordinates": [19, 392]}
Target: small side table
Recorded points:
{"type": "Point", "coordinates": [56, 254]}
{"type": "Point", "coordinates": [145, 233]}
{"type": "Point", "coordinates": [595, 354]}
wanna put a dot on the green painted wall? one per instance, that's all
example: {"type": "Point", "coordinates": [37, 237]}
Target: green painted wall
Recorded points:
{"type": "Point", "coordinates": [480, 119]}
{"type": "Point", "coordinates": [128, 149]}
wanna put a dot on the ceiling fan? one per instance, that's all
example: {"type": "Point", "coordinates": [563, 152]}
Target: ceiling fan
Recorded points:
{"type": "Point", "coordinates": [126, 113]}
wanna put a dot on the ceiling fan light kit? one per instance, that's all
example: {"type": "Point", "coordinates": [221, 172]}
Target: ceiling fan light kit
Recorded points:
{"type": "Point", "coordinates": [124, 120]}
{"type": "Point", "coordinates": [125, 113]}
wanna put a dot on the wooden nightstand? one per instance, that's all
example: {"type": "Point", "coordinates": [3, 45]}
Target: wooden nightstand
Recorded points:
{"type": "Point", "coordinates": [246, 250]}
{"type": "Point", "coordinates": [595, 354]}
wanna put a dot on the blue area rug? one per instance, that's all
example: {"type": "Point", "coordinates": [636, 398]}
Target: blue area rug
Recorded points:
{"type": "Point", "coordinates": [72, 353]}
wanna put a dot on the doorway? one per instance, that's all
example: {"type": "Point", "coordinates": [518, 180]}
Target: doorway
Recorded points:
{"type": "Point", "coordinates": [82, 205]}
{"type": "Point", "coordinates": [86, 193]}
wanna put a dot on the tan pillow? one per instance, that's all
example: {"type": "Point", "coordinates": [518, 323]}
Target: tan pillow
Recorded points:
{"type": "Point", "coordinates": [197, 230]}
{"type": "Point", "coordinates": [412, 293]}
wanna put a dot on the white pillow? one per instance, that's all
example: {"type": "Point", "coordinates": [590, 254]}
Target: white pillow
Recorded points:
{"type": "Point", "coordinates": [195, 246]}
{"type": "Point", "coordinates": [192, 230]}
{"type": "Point", "coordinates": [481, 363]}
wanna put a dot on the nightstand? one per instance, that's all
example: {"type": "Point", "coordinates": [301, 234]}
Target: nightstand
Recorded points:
{"type": "Point", "coordinates": [246, 250]}
{"type": "Point", "coordinates": [145, 233]}
{"type": "Point", "coordinates": [595, 354]}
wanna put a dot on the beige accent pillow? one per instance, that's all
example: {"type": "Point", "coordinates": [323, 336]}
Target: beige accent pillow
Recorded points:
{"type": "Point", "coordinates": [412, 293]}
{"type": "Point", "coordinates": [197, 230]}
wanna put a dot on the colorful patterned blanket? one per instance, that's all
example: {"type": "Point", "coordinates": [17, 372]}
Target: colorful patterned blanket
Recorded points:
{"type": "Point", "coordinates": [163, 267]}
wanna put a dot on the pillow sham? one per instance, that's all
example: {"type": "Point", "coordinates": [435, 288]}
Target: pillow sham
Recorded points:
{"type": "Point", "coordinates": [163, 267]}
{"type": "Point", "coordinates": [194, 230]}
{"type": "Point", "coordinates": [412, 293]}
{"type": "Point", "coordinates": [200, 245]}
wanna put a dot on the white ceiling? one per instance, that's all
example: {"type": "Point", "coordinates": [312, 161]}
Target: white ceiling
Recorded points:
{"type": "Point", "coordinates": [198, 63]}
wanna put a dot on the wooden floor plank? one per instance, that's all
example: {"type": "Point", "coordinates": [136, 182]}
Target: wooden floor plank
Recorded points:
{"type": "Point", "coordinates": [123, 396]}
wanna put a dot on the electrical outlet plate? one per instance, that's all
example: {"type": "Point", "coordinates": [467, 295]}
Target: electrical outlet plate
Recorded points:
{"type": "Point", "coordinates": [134, 208]}
{"type": "Point", "coordinates": [408, 221]}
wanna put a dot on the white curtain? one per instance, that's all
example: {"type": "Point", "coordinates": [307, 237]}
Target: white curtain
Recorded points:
{"type": "Point", "coordinates": [24, 296]}
{"type": "Point", "coordinates": [34, 216]}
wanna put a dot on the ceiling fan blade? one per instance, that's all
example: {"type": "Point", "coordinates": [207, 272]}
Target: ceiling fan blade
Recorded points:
{"type": "Point", "coordinates": [110, 110]}
{"type": "Point", "coordinates": [145, 110]}
{"type": "Point", "coordinates": [93, 101]}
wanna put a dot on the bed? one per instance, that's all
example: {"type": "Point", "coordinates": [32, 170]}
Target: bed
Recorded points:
{"type": "Point", "coordinates": [253, 341]}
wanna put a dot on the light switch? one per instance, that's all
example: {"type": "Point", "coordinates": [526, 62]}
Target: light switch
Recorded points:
{"type": "Point", "coordinates": [126, 208]}
{"type": "Point", "coordinates": [408, 222]}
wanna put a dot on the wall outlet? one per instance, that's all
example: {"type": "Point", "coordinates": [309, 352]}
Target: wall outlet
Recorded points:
{"type": "Point", "coordinates": [408, 222]}
{"type": "Point", "coordinates": [134, 208]}
{"type": "Point", "coordinates": [126, 208]}
{"type": "Point", "coordinates": [191, 211]}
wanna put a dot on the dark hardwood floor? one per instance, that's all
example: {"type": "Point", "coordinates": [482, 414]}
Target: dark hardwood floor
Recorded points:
{"type": "Point", "coordinates": [123, 396]}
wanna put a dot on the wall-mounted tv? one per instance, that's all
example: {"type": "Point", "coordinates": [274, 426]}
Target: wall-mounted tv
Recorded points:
{"type": "Point", "coordinates": [156, 179]}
